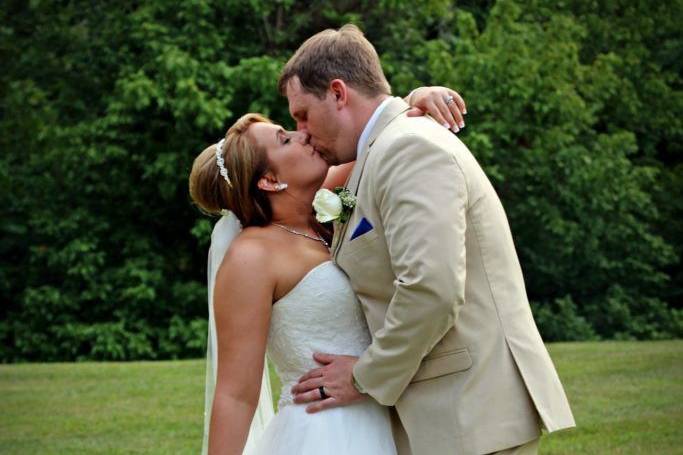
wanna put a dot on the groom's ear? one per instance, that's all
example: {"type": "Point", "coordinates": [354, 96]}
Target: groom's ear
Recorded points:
{"type": "Point", "coordinates": [340, 92]}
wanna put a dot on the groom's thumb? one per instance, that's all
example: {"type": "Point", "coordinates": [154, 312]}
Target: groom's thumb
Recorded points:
{"type": "Point", "coordinates": [323, 358]}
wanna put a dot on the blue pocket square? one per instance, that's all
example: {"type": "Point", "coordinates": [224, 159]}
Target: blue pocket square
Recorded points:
{"type": "Point", "coordinates": [363, 227]}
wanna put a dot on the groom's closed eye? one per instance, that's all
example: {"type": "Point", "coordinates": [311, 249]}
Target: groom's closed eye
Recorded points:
{"type": "Point", "coordinates": [299, 116]}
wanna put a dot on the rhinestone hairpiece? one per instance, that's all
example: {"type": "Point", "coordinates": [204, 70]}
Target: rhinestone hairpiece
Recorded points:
{"type": "Point", "coordinates": [220, 162]}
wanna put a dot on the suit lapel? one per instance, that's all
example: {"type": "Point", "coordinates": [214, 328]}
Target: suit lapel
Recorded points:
{"type": "Point", "coordinates": [395, 107]}
{"type": "Point", "coordinates": [352, 185]}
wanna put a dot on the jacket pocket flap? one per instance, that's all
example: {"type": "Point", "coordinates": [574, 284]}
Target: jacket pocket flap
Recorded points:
{"type": "Point", "coordinates": [443, 364]}
{"type": "Point", "coordinates": [360, 243]}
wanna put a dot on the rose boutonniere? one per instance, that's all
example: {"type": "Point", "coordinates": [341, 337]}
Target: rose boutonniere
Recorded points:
{"type": "Point", "coordinates": [337, 205]}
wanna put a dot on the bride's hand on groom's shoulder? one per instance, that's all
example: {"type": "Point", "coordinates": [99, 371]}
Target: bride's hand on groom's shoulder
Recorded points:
{"type": "Point", "coordinates": [335, 378]}
{"type": "Point", "coordinates": [446, 106]}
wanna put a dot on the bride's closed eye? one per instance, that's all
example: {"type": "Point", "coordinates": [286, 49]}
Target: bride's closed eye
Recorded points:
{"type": "Point", "coordinates": [284, 137]}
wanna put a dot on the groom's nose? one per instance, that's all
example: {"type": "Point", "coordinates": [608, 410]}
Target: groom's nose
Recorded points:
{"type": "Point", "coordinates": [301, 126]}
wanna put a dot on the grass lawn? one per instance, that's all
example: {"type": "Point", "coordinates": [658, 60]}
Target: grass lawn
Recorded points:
{"type": "Point", "coordinates": [627, 398]}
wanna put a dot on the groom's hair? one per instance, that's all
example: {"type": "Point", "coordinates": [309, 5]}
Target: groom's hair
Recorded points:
{"type": "Point", "coordinates": [336, 54]}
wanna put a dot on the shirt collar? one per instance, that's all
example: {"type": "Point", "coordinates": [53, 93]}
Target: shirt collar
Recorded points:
{"type": "Point", "coordinates": [368, 126]}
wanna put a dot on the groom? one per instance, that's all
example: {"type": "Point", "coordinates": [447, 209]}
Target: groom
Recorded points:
{"type": "Point", "coordinates": [455, 351]}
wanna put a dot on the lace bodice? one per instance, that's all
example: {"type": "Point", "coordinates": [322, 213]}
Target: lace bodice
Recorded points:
{"type": "Point", "coordinates": [320, 314]}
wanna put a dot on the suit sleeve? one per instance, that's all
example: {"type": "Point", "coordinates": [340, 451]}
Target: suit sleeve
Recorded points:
{"type": "Point", "coordinates": [421, 194]}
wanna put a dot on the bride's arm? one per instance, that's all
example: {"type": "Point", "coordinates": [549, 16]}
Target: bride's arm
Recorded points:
{"type": "Point", "coordinates": [337, 175]}
{"type": "Point", "coordinates": [429, 100]}
{"type": "Point", "coordinates": [242, 306]}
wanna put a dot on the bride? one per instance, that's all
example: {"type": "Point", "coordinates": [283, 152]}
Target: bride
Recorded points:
{"type": "Point", "coordinates": [273, 289]}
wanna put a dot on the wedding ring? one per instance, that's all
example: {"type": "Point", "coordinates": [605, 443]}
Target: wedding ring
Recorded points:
{"type": "Point", "coordinates": [323, 395]}
{"type": "Point", "coordinates": [448, 99]}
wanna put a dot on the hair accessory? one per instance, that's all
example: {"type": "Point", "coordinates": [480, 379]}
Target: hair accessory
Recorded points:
{"type": "Point", "coordinates": [220, 162]}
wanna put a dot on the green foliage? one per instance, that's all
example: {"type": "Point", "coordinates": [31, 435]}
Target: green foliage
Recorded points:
{"type": "Point", "coordinates": [575, 111]}
{"type": "Point", "coordinates": [560, 320]}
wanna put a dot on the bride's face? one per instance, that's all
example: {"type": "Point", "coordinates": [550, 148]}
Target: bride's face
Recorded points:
{"type": "Point", "coordinates": [292, 158]}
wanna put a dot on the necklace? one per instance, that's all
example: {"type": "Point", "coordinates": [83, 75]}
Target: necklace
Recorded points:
{"type": "Point", "coordinates": [288, 229]}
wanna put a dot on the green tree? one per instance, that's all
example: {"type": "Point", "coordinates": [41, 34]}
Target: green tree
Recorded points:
{"type": "Point", "coordinates": [104, 106]}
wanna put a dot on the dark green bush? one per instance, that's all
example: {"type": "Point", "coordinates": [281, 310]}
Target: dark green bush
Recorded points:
{"type": "Point", "coordinates": [560, 321]}
{"type": "Point", "coordinates": [103, 107]}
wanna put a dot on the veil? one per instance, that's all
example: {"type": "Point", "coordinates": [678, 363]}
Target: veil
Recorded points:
{"type": "Point", "coordinates": [225, 230]}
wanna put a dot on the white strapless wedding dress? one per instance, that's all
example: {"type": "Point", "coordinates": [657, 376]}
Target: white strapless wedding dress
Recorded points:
{"type": "Point", "coordinates": [321, 314]}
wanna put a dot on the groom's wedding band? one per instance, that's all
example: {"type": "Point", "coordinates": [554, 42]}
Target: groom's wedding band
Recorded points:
{"type": "Point", "coordinates": [449, 100]}
{"type": "Point", "coordinates": [323, 395]}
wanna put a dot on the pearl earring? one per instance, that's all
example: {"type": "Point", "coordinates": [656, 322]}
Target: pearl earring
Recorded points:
{"type": "Point", "coordinates": [280, 186]}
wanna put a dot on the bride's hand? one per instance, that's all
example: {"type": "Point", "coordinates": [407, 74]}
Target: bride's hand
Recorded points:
{"type": "Point", "coordinates": [443, 104]}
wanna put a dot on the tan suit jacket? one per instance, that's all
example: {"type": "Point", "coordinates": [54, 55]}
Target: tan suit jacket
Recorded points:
{"type": "Point", "coordinates": [455, 348]}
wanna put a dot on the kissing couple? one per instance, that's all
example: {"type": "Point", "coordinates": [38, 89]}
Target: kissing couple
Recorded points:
{"type": "Point", "coordinates": [403, 328]}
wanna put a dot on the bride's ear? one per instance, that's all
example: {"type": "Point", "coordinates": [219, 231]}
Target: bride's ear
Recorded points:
{"type": "Point", "coordinates": [270, 184]}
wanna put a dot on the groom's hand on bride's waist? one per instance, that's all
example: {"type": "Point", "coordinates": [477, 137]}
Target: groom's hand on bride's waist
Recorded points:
{"type": "Point", "coordinates": [336, 379]}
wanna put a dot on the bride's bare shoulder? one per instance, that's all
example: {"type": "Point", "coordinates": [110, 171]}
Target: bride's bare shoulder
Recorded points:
{"type": "Point", "coordinates": [253, 247]}
{"type": "Point", "coordinates": [245, 278]}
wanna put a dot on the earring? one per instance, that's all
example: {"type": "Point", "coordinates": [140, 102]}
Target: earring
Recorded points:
{"type": "Point", "coordinates": [280, 186]}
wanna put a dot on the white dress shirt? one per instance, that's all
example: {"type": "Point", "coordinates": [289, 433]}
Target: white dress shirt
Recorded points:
{"type": "Point", "coordinates": [368, 126]}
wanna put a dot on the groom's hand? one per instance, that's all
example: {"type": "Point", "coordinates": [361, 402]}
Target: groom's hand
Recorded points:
{"type": "Point", "coordinates": [336, 376]}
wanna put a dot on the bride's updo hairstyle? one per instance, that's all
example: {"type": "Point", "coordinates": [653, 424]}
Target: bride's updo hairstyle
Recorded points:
{"type": "Point", "coordinates": [246, 163]}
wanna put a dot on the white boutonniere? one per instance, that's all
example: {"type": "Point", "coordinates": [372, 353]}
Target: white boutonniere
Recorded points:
{"type": "Point", "coordinates": [337, 205]}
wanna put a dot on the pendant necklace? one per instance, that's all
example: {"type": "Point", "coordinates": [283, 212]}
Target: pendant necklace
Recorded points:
{"type": "Point", "coordinates": [303, 234]}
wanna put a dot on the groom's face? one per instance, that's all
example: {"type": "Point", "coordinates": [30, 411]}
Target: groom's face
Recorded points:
{"type": "Point", "coordinates": [318, 118]}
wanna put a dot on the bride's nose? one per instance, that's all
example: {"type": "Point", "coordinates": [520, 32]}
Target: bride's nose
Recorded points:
{"type": "Point", "coordinates": [302, 137]}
